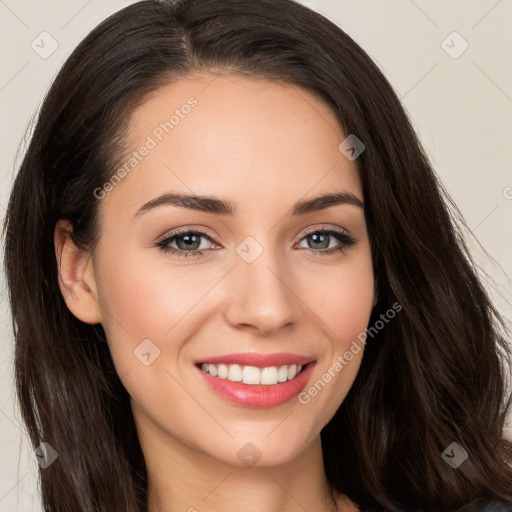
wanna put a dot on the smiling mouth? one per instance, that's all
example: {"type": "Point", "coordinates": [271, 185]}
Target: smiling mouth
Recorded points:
{"type": "Point", "coordinates": [252, 375]}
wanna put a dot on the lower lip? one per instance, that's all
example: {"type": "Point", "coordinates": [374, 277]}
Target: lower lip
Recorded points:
{"type": "Point", "coordinates": [248, 395]}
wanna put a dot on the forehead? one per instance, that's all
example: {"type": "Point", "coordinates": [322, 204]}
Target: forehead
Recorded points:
{"type": "Point", "coordinates": [236, 137]}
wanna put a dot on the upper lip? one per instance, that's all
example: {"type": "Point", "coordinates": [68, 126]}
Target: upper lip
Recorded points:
{"type": "Point", "coordinates": [258, 360]}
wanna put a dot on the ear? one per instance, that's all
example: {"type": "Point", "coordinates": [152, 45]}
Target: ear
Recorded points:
{"type": "Point", "coordinates": [76, 276]}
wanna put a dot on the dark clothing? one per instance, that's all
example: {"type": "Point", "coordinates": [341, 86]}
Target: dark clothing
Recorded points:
{"type": "Point", "coordinates": [491, 506]}
{"type": "Point", "coordinates": [482, 506]}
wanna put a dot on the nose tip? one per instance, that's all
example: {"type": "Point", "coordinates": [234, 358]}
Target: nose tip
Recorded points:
{"type": "Point", "coordinates": [260, 300]}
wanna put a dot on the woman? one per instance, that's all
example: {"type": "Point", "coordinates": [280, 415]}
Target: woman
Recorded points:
{"type": "Point", "coordinates": [239, 286]}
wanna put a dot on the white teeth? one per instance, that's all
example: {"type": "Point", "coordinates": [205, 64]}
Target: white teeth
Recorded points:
{"type": "Point", "coordinates": [253, 375]}
{"type": "Point", "coordinates": [222, 371]}
{"type": "Point", "coordinates": [283, 374]}
{"type": "Point", "coordinates": [234, 373]}
{"type": "Point", "coordinates": [269, 375]}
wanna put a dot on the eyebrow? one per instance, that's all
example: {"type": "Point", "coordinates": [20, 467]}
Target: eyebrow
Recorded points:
{"type": "Point", "coordinates": [221, 207]}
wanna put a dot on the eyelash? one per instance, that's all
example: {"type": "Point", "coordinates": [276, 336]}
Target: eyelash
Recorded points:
{"type": "Point", "coordinates": [346, 241]}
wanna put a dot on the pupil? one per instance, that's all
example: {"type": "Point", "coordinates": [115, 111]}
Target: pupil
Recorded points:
{"type": "Point", "coordinates": [315, 240]}
{"type": "Point", "coordinates": [189, 240]}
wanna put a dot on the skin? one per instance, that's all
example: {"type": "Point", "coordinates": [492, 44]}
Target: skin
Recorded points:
{"type": "Point", "coordinates": [262, 146]}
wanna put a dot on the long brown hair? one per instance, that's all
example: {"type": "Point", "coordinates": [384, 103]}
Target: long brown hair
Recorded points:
{"type": "Point", "coordinates": [434, 375]}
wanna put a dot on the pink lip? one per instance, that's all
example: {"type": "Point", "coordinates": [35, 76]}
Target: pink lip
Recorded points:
{"type": "Point", "coordinates": [258, 396]}
{"type": "Point", "coordinates": [258, 360]}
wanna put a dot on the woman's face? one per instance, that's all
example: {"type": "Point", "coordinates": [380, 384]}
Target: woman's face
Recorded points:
{"type": "Point", "coordinates": [246, 282]}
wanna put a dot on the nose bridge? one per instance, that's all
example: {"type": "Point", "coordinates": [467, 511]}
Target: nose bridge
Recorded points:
{"type": "Point", "coordinates": [261, 295]}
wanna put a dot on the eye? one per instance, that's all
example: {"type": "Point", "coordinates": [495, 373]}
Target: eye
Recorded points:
{"type": "Point", "coordinates": [191, 243]}
{"type": "Point", "coordinates": [327, 241]}
{"type": "Point", "coordinates": [188, 243]}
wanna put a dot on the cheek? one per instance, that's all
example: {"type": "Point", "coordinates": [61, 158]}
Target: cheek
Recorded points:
{"type": "Point", "coordinates": [146, 298]}
{"type": "Point", "coordinates": [344, 304]}
{"type": "Point", "coordinates": [345, 299]}
{"type": "Point", "coordinates": [147, 301]}
{"type": "Point", "coordinates": [151, 299]}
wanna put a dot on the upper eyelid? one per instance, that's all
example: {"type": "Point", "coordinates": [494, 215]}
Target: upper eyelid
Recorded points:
{"type": "Point", "coordinates": [185, 231]}
{"type": "Point", "coordinates": [326, 229]}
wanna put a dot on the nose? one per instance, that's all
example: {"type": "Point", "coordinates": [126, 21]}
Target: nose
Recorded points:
{"type": "Point", "coordinates": [261, 296]}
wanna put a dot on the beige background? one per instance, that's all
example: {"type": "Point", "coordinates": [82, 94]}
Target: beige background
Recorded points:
{"type": "Point", "coordinates": [461, 108]}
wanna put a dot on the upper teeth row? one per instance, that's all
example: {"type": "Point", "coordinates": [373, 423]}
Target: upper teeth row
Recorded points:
{"type": "Point", "coordinates": [252, 374]}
